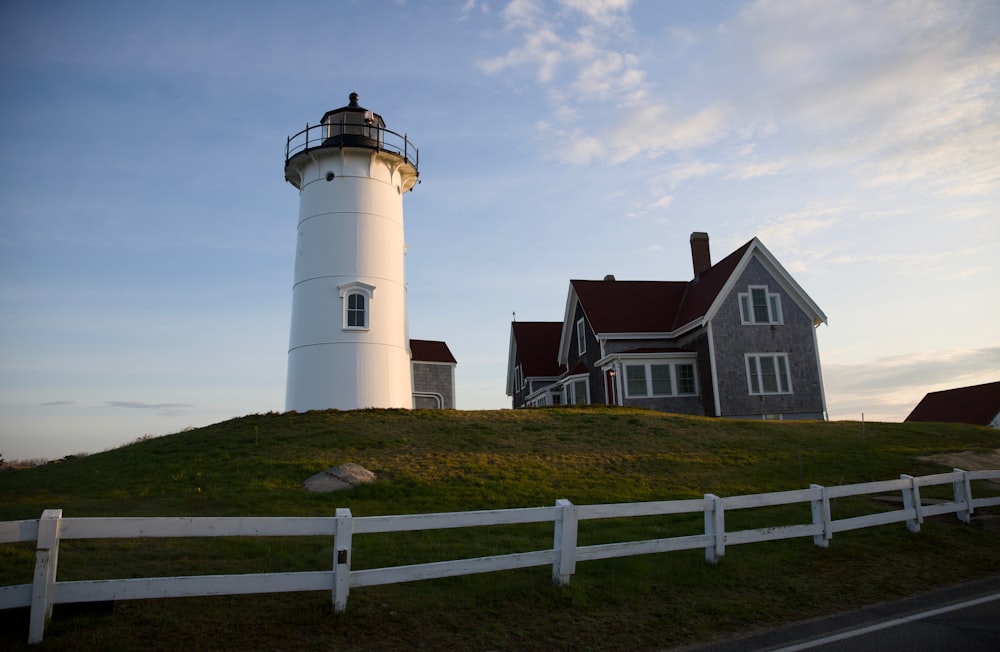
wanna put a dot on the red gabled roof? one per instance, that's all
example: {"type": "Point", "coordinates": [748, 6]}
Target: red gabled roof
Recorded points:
{"type": "Point", "coordinates": [702, 291]}
{"type": "Point", "coordinates": [653, 306]}
{"type": "Point", "coordinates": [537, 345]}
{"type": "Point", "coordinates": [629, 306]}
{"type": "Point", "coordinates": [978, 404]}
{"type": "Point", "coordinates": [431, 351]}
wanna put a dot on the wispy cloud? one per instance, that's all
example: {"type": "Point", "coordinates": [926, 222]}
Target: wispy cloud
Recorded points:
{"type": "Point", "coordinates": [914, 84]}
{"type": "Point", "coordinates": [55, 403]}
{"type": "Point", "coordinates": [576, 51]}
{"type": "Point", "coordinates": [889, 388]}
{"type": "Point", "coordinates": [682, 172]}
{"type": "Point", "coordinates": [140, 405]}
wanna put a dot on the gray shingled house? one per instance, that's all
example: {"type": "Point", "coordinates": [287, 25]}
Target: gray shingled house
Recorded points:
{"type": "Point", "coordinates": [433, 369]}
{"type": "Point", "coordinates": [737, 340]}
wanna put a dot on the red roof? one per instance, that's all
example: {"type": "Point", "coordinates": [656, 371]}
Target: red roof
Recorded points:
{"type": "Point", "coordinates": [537, 346]}
{"type": "Point", "coordinates": [630, 306]}
{"type": "Point", "coordinates": [703, 290]}
{"type": "Point", "coordinates": [431, 351]}
{"type": "Point", "coordinates": [978, 404]}
{"type": "Point", "coordinates": [653, 306]}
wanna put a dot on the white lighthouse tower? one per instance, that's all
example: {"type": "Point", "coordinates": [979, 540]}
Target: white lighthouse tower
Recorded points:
{"type": "Point", "coordinates": [349, 345]}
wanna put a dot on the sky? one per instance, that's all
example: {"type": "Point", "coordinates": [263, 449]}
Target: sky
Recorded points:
{"type": "Point", "coordinates": [147, 234]}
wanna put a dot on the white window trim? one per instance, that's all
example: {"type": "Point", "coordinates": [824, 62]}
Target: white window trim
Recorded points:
{"type": "Point", "coordinates": [567, 390]}
{"type": "Point", "coordinates": [581, 337]}
{"type": "Point", "coordinates": [774, 312]}
{"type": "Point", "coordinates": [365, 290]}
{"type": "Point", "coordinates": [753, 367]}
{"type": "Point", "coordinates": [648, 367]}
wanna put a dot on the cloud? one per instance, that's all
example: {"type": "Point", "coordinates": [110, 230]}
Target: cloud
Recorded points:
{"type": "Point", "coordinates": [53, 403]}
{"type": "Point", "coordinates": [889, 388]}
{"type": "Point", "coordinates": [690, 170]}
{"type": "Point", "coordinates": [753, 170]}
{"type": "Point", "coordinates": [662, 202]}
{"type": "Point", "coordinates": [908, 91]}
{"type": "Point", "coordinates": [654, 128]}
{"type": "Point", "coordinates": [140, 405]}
{"type": "Point", "coordinates": [574, 38]}
{"type": "Point", "coordinates": [469, 7]}
{"type": "Point", "coordinates": [603, 12]}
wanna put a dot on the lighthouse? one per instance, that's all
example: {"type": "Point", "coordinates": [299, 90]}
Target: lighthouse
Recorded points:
{"type": "Point", "coordinates": [349, 344]}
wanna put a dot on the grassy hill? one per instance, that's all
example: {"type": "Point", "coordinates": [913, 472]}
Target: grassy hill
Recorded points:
{"type": "Point", "coordinates": [430, 461]}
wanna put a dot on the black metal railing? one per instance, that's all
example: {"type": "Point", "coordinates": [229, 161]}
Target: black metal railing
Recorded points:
{"type": "Point", "coordinates": [346, 134]}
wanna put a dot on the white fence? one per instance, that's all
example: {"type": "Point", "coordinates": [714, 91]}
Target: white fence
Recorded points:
{"type": "Point", "coordinates": [51, 528]}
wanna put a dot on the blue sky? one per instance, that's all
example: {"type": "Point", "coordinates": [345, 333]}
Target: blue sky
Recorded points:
{"type": "Point", "coordinates": [148, 236]}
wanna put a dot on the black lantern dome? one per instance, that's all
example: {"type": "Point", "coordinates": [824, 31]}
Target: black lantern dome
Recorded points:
{"type": "Point", "coordinates": [352, 126]}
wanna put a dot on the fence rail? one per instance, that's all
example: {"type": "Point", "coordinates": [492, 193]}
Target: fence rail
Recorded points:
{"type": "Point", "coordinates": [563, 556]}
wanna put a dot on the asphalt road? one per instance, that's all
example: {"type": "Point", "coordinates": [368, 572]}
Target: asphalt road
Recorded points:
{"type": "Point", "coordinates": [964, 618]}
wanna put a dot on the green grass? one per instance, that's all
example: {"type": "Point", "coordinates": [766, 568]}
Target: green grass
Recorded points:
{"type": "Point", "coordinates": [434, 461]}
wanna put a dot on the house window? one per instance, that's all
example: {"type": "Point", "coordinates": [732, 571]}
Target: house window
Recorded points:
{"type": "Point", "coordinates": [659, 379]}
{"type": "Point", "coordinates": [768, 374]}
{"type": "Point", "coordinates": [518, 377]}
{"type": "Point", "coordinates": [660, 375]}
{"type": "Point", "coordinates": [356, 297]}
{"type": "Point", "coordinates": [635, 379]}
{"type": "Point", "coordinates": [685, 378]}
{"type": "Point", "coordinates": [577, 393]}
{"type": "Point", "coordinates": [758, 306]}
{"type": "Point", "coordinates": [581, 337]}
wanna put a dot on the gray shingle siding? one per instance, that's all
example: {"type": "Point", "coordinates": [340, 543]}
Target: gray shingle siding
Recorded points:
{"type": "Point", "coordinates": [795, 337]}
{"type": "Point", "coordinates": [697, 341]}
{"type": "Point", "coordinates": [719, 349]}
{"type": "Point", "coordinates": [433, 379]}
{"type": "Point", "coordinates": [589, 357]}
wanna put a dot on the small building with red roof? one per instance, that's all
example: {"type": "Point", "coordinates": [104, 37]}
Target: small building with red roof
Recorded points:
{"type": "Point", "coordinates": [737, 340]}
{"type": "Point", "coordinates": [433, 369]}
{"type": "Point", "coordinates": [977, 404]}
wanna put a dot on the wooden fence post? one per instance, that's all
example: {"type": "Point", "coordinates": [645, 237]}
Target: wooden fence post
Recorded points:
{"type": "Point", "coordinates": [564, 542]}
{"type": "Point", "coordinates": [963, 496]}
{"type": "Point", "coordinates": [821, 516]}
{"type": "Point", "coordinates": [911, 500]}
{"type": "Point", "coordinates": [343, 531]}
{"type": "Point", "coordinates": [715, 526]}
{"type": "Point", "coordinates": [46, 561]}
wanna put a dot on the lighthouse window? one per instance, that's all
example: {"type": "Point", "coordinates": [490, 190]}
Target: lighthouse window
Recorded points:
{"type": "Point", "coordinates": [356, 311]}
{"type": "Point", "coordinates": [356, 297]}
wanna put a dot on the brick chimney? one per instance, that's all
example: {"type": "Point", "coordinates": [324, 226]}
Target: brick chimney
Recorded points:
{"type": "Point", "coordinates": [701, 257]}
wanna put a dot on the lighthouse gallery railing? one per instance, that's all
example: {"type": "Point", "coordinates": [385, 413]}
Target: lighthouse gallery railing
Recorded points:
{"type": "Point", "coordinates": [370, 135]}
